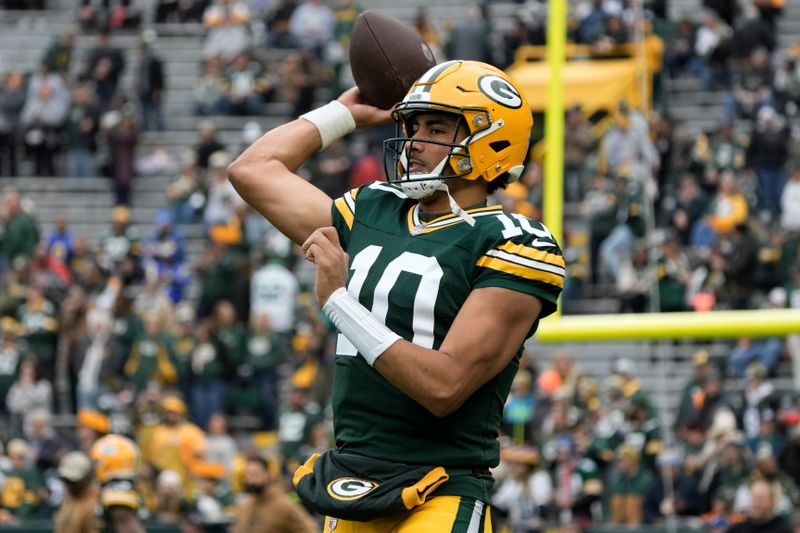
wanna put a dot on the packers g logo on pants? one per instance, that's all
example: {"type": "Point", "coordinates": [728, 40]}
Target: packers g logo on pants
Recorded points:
{"type": "Point", "coordinates": [350, 488]}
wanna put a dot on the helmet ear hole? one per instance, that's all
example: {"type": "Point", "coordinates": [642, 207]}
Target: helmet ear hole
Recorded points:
{"type": "Point", "coordinates": [499, 146]}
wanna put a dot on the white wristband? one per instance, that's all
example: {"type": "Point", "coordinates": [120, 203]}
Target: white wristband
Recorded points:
{"type": "Point", "coordinates": [333, 121]}
{"type": "Point", "coordinates": [368, 334]}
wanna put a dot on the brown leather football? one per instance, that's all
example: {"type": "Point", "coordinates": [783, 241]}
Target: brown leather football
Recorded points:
{"type": "Point", "coordinates": [386, 57]}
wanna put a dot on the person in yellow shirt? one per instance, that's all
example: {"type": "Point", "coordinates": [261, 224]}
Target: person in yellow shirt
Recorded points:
{"type": "Point", "coordinates": [729, 206]}
{"type": "Point", "coordinates": [176, 444]}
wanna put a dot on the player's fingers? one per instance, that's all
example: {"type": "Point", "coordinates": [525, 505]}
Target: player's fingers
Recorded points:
{"type": "Point", "coordinates": [310, 253]}
{"type": "Point", "coordinates": [330, 233]}
{"type": "Point", "coordinates": [313, 238]}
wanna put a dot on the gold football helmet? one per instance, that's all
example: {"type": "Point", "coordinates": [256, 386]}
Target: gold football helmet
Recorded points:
{"type": "Point", "coordinates": [115, 457]}
{"type": "Point", "coordinates": [490, 108]}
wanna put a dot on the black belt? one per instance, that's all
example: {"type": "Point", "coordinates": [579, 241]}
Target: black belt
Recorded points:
{"type": "Point", "coordinates": [468, 472]}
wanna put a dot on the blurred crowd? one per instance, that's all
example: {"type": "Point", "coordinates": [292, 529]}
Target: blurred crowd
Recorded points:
{"type": "Point", "coordinates": [220, 356]}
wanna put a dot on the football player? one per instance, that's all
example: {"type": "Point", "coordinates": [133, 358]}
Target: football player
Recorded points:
{"type": "Point", "coordinates": [116, 460]}
{"type": "Point", "coordinates": [434, 291]}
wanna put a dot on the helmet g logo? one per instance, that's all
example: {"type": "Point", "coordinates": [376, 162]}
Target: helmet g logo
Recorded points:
{"type": "Point", "coordinates": [350, 488]}
{"type": "Point", "coordinates": [500, 91]}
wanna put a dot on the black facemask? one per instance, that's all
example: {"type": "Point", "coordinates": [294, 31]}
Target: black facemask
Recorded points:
{"type": "Point", "coordinates": [254, 488]}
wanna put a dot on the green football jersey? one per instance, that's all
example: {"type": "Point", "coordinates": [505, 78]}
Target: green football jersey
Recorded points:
{"type": "Point", "coordinates": [414, 276]}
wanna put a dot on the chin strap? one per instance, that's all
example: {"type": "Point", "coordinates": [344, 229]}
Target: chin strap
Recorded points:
{"type": "Point", "coordinates": [429, 184]}
{"type": "Point", "coordinates": [455, 208]}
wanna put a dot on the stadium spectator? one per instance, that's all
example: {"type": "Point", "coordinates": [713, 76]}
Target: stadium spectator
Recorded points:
{"type": "Point", "coordinates": [123, 137]}
{"type": "Point", "coordinates": [627, 487]}
{"type": "Point", "coordinates": [183, 191]}
{"type": "Point", "coordinates": [624, 151]}
{"type": "Point", "coordinates": [221, 448]}
{"type": "Point", "coordinates": [469, 37]}
{"type": "Point", "coordinates": [228, 34]}
{"type": "Point", "coordinates": [210, 367]}
{"type": "Point", "coordinates": [761, 516]}
{"type": "Point", "coordinates": [767, 351]}
{"type": "Point", "coordinates": [727, 210]}
{"type": "Point", "coordinates": [690, 206]}
{"type": "Point", "coordinates": [519, 409]}
{"type": "Point", "coordinates": [295, 424]}
{"type": "Point", "coordinates": [150, 358]}
{"type": "Point", "coordinates": [209, 91]}
{"type": "Point", "coordinates": [274, 288]}
{"type": "Point", "coordinates": [267, 509]}
{"type": "Point", "coordinates": [208, 143]}
{"type": "Point", "coordinates": [21, 232]}
{"type": "Point", "coordinates": [301, 76]}
{"type": "Point", "coordinates": [430, 33]}
{"type": "Point", "coordinates": [769, 11]}
{"type": "Point", "coordinates": [77, 514]}
{"type": "Point", "coordinates": [693, 391]}
{"type": "Point", "coordinates": [752, 87]}
{"type": "Point", "coordinates": [176, 444]}
{"type": "Point", "coordinates": [213, 500]}
{"type": "Point", "coordinates": [154, 297]}
{"type": "Point", "coordinates": [223, 201]}
{"type": "Point", "coordinates": [787, 81]}
{"type": "Point", "coordinates": [165, 243]}
{"type": "Point", "coordinates": [172, 11]}
{"type": "Point", "coordinates": [679, 52]}
{"type": "Point", "coordinates": [311, 25]}
{"type": "Point", "coordinates": [577, 483]}
{"type": "Point", "coordinates": [104, 65]}
{"type": "Point", "coordinates": [21, 482]}
{"type": "Point", "coordinates": [150, 85]}
{"type": "Point", "coordinates": [673, 272]}
{"type": "Point", "coordinates": [758, 400]}
{"type": "Point", "coordinates": [633, 281]}
{"type": "Point", "coordinates": [265, 351]}
{"type": "Point", "coordinates": [245, 86]}
{"type": "Point", "coordinates": [579, 142]}
{"type": "Point", "coordinates": [39, 327]}
{"type": "Point", "coordinates": [790, 203]}
{"type": "Point", "coordinates": [171, 505]}
{"type": "Point", "coordinates": [43, 118]}
{"type": "Point", "coordinates": [684, 497]}
{"type": "Point", "coordinates": [97, 360]}
{"type": "Point", "coordinates": [592, 24]}
{"type": "Point", "coordinates": [119, 248]}
{"type": "Point", "coordinates": [82, 128]}
{"type": "Point", "coordinates": [524, 496]}
{"type": "Point", "coordinates": [12, 101]}
{"type": "Point", "coordinates": [767, 155]}
{"type": "Point", "coordinates": [58, 55]}
{"type": "Point", "coordinates": [712, 51]}
{"type": "Point", "coordinates": [789, 458]}
{"type": "Point", "coordinates": [277, 20]}
{"type": "Point", "coordinates": [115, 459]}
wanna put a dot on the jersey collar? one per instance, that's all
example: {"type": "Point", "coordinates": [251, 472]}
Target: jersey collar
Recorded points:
{"type": "Point", "coordinates": [416, 226]}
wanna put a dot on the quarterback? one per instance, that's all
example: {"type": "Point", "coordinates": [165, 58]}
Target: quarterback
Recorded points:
{"type": "Point", "coordinates": [433, 291]}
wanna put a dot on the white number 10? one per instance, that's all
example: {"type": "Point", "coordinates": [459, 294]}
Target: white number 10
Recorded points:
{"type": "Point", "coordinates": [424, 300]}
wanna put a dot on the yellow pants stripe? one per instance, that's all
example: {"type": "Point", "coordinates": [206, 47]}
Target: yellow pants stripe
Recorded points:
{"type": "Point", "coordinates": [441, 514]}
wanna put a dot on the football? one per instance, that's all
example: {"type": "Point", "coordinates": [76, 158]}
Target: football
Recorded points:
{"type": "Point", "coordinates": [386, 57]}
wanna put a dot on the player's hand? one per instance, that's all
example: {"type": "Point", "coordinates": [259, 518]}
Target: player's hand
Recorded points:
{"type": "Point", "coordinates": [323, 249]}
{"type": "Point", "coordinates": [365, 114]}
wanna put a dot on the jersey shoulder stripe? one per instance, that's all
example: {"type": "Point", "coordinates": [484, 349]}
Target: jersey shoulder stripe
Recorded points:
{"type": "Point", "coordinates": [516, 267]}
{"type": "Point", "coordinates": [346, 205]}
{"type": "Point", "coordinates": [524, 248]}
{"type": "Point", "coordinates": [536, 254]}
